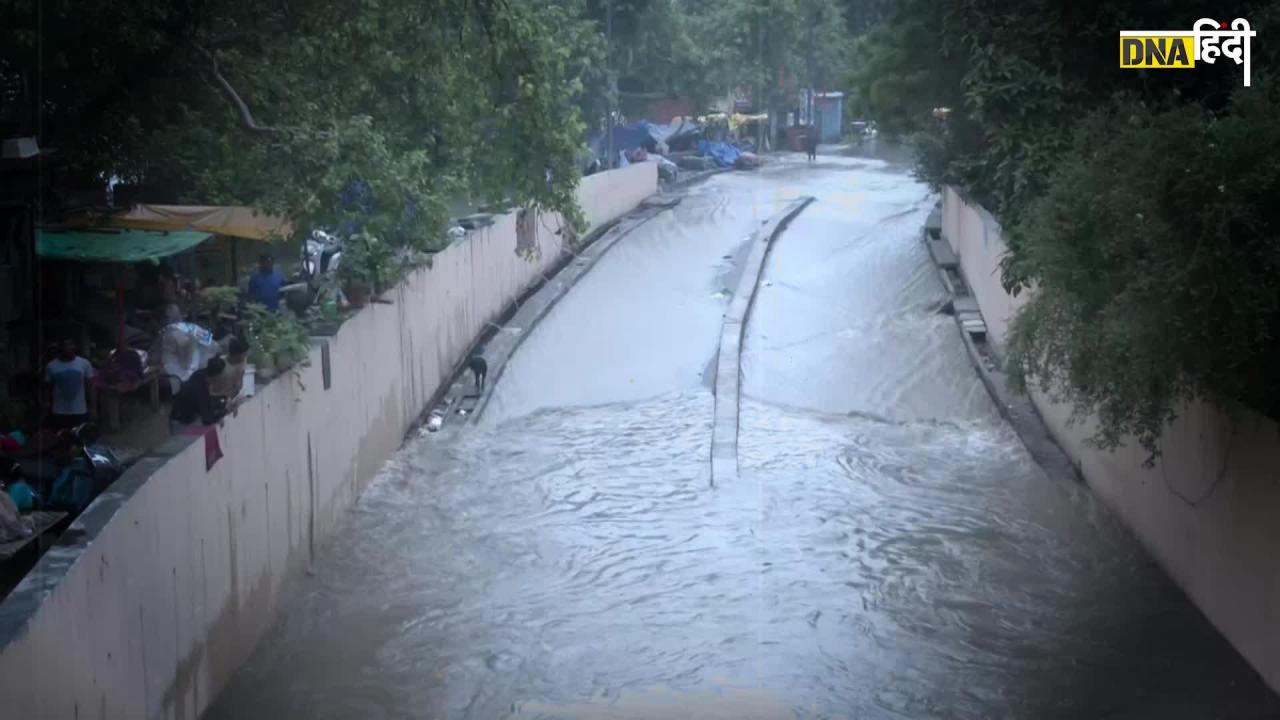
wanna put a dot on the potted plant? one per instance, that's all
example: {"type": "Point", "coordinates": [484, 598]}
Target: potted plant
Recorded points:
{"type": "Point", "coordinates": [219, 309]}
{"type": "Point", "coordinates": [277, 340]}
{"type": "Point", "coordinates": [366, 267]}
{"type": "Point", "coordinates": [324, 317]}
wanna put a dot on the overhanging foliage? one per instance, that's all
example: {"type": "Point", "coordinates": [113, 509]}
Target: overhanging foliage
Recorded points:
{"type": "Point", "coordinates": [288, 106]}
{"type": "Point", "coordinates": [1138, 204]}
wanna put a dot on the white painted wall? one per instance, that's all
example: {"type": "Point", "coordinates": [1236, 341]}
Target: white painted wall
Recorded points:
{"type": "Point", "coordinates": [172, 593]}
{"type": "Point", "coordinates": [975, 236]}
{"type": "Point", "coordinates": [608, 195]}
{"type": "Point", "coordinates": [1207, 511]}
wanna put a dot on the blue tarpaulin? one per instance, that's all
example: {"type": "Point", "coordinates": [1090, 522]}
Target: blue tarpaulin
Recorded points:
{"type": "Point", "coordinates": [677, 134]}
{"type": "Point", "coordinates": [625, 139]}
{"type": "Point", "coordinates": [724, 154]}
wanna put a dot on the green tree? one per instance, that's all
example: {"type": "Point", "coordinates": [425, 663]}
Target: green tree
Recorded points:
{"type": "Point", "coordinates": [904, 69]}
{"type": "Point", "coordinates": [1096, 176]}
{"type": "Point", "coordinates": [778, 47]}
{"type": "Point", "coordinates": [1156, 251]}
{"type": "Point", "coordinates": [700, 51]}
{"type": "Point", "coordinates": [370, 113]}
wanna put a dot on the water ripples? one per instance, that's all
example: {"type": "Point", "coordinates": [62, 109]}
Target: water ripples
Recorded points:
{"type": "Point", "coordinates": [890, 550]}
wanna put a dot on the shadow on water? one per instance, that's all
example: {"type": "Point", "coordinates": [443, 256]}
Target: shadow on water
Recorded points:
{"type": "Point", "coordinates": [890, 551]}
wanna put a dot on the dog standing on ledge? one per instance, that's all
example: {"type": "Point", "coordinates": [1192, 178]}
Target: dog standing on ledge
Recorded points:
{"type": "Point", "coordinates": [479, 369]}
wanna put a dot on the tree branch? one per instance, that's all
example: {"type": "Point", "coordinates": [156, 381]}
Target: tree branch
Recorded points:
{"type": "Point", "coordinates": [246, 117]}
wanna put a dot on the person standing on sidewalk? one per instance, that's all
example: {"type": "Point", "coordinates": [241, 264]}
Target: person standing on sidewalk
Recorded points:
{"type": "Point", "coordinates": [67, 377]}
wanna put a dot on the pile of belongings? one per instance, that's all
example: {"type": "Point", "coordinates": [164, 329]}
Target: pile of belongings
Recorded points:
{"type": "Point", "coordinates": [679, 134]}
{"type": "Point", "coordinates": [667, 170]}
{"type": "Point", "coordinates": [724, 154]}
{"type": "Point", "coordinates": [679, 145]}
{"type": "Point", "coordinates": [13, 525]}
{"type": "Point", "coordinates": [697, 162]}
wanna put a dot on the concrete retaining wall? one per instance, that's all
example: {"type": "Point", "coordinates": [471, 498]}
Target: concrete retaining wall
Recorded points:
{"type": "Point", "coordinates": [166, 583]}
{"type": "Point", "coordinates": [1206, 512]}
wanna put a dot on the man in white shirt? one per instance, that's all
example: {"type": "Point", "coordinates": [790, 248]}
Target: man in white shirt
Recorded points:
{"type": "Point", "coordinates": [68, 377]}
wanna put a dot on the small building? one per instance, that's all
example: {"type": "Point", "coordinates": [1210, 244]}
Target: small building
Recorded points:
{"type": "Point", "coordinates": [828, 110]}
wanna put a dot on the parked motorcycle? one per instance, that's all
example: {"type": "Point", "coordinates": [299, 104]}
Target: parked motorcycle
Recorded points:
{"type": "Point", "coordinates": [321, 254]}
{"type": "Point", "coordinates": [71, 473]}
{"type": "Point", "coordinates": [104, 464]}
{"type": "Point", "coordinates": [318, 264]}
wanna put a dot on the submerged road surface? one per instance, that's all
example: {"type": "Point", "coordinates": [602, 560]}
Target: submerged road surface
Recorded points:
{"type": "Point", "coordinates": [889, 551]}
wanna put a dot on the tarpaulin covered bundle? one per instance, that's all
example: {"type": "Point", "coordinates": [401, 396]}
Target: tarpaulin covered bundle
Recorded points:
{"type": "Point", "coordinates": [679, 133]}
{"type": "Point", "coordinates": [625, 139]}
{"type": "Point", "coordinates": [724, 154]}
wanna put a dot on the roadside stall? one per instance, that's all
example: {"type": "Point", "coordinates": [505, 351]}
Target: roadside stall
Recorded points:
{"type": "Point", "coordinates": [114, 252]}
{"type": "Point", "coordinates": [229, 224]}
{"type": "Point", "coordinates": [754, 127]}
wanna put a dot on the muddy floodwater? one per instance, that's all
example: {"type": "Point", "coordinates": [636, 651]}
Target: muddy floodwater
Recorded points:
{"type": "Point", "coordinates": [889, 551]}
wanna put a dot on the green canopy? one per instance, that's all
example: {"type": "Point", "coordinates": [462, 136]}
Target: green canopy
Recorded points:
{"type": "Point", "coordinates": [123, 246]}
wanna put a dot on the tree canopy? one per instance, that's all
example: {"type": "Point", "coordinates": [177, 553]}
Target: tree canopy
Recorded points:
{"type": "Point", "coordinates": [1137, 204]}
{"type": "Point", "coordinates": [702, 51]}
{"type": "Point", "coordinates": [373, 113]}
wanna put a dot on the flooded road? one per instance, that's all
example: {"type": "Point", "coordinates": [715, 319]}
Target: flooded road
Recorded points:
{"type": "Point", "coordinates": [890, 550]}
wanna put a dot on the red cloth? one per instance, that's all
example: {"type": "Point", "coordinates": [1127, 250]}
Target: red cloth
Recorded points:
{"type": "Point", "coordinates": [212, 449]}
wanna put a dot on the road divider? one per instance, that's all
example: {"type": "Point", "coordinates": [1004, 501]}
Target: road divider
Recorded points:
{"type": "Point", "coordinates": [724, 431]}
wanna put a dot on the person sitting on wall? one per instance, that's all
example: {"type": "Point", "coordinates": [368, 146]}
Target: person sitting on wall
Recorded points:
{"type": "Point", "coordinates": [228, 386]}
{"type": "Point", "coordinates": [194, 402]}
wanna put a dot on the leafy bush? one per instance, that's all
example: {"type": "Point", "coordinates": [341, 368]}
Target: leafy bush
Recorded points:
{"type": "Point", "coordinates": [1138, 204]}
{"type": "Point", "coordinates": [371, 262]}
{"type": "Point", "coordinates": [282, 106]}
{"type": "Point", "coordinates": [276, 339]}
{"type": "Point", "coordinates": [220, 300]}
{"type": "Point", "coordinates": [1155, 252]}
{"type": "Point", "coordinates": [904, 70]}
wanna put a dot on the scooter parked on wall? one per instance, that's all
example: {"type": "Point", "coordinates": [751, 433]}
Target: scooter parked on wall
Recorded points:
{"type": "Point", "coordinates": [321, 254]}
{"type": "Point", "coordinates": [317, 266]}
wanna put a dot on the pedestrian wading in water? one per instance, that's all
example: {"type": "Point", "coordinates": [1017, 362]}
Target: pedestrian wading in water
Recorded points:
{"type": "Point", "coordinates": [479, 368]}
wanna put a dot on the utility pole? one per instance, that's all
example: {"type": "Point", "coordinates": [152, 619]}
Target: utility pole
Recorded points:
{"type": "Point", "coordinates": [613, 81]}
{"type": "Point", "coordinates": [761, 82]}
{"type": "Point", "coordinates": [808, 103]}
